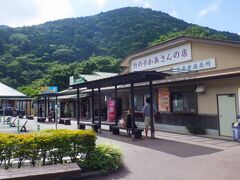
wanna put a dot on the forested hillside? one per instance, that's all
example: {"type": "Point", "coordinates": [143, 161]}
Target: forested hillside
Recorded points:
{"type": "Point", "coordinates": [28, 55]}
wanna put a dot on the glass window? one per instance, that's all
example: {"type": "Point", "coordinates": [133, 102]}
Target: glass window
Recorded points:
{"type": "Point", "coordinates": [183, 102]}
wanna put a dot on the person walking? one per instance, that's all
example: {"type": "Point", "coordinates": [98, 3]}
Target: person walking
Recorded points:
{"type": "Point", "coordinates": [146, 115]}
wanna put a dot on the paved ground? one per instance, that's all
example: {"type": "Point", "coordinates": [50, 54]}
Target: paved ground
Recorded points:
{"type": "Point", "coordinates": [169, 156]}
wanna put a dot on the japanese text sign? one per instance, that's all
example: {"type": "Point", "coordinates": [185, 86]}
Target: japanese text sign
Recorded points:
{"type": "Point", "coordinates": [171, 56]}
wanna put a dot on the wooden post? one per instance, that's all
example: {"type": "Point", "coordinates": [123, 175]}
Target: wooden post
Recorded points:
{"type": "Point", "coordinates": [78, 109]}
{"type": "Point", "coordinates": [99, 110]}
{"type": "Point", "coordinates": [151, 110]}
{"type": "Point", "coordinates": [115, 93]}
{"type": "Point", "coordinates": [93, 106]}
{"type": "Point", "coordinates": [133, 112]}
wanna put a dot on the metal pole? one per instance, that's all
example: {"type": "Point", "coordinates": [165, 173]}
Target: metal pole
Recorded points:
{"type": "Point", "coordinates": [56, 112]}
{"type": "Point", "coordinates": [151, 109]}
{"type": "Point", "coordinates": [26, 107]}
{"type": "Point", "coordinates": [30, 107]}
{"type": "Point", "coordinates": [45, 108]}
{"type": "Point", "coordinates": [133, 112]}
{"type": "Point", "coordinates": [93, 106]}
{"type": "Point", "coordinates": [38, 107]}
{"type": "Point", "coordinates": [78, 109]}
{"type": "Point", "coordinates": [99, 110]}
{"type": "Point", "coordinates": [18, 126]}
{"type": "Point", "coordinates": [48, 105]}
{"type": "Point", "coordinates": [115, 93]}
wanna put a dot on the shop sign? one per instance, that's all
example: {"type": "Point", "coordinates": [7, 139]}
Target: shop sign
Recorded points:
{"type": "Point", "coordinates": [196, 66]}
{"type": "Point", "coordinates": [163, 58]}
{"type": "Point", "coordinates": [111, 111]}
{"type": "Point", "coordinates": [48, 89]}
{"type": "Point", "coordinates": [163, 100]}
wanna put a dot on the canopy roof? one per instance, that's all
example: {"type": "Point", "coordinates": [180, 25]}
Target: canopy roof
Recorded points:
{"type": "Point", "coordinates": [8, 92]}
{"type": "Point", "coordinates": [134, 77]}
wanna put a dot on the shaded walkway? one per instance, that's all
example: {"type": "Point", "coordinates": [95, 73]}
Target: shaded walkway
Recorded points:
{"type": "Point", "coordinates": [167, 146]}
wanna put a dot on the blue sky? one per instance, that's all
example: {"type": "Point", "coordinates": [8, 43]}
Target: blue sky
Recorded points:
{"type": "Point", "coordinates": [218, 14]}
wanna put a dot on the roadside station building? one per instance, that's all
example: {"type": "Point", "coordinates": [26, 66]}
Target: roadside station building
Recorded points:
{"type": "Point", "coordinates": [203, 89]}
{"type": "Point", "coordinates": [200, 90]}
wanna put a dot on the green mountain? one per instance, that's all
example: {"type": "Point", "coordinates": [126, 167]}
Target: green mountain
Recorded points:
{"type": "Point", "coordinates": [29, 53]}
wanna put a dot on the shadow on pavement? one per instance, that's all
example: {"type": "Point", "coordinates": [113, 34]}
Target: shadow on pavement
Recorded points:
{"type": "Point", "coordinates": [168, 146]}
{"type": "Point", "coordinates": [120, 174]}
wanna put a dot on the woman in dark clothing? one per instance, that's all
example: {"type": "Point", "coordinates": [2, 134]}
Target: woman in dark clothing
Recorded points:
{"type": "Point", "coordinates": [129, 121]}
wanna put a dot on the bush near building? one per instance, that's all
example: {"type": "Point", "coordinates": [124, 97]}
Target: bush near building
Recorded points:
{"type": "Point", "coordinates": [45, 147]}
{"type": "Point", "coordinates": [52, 146]}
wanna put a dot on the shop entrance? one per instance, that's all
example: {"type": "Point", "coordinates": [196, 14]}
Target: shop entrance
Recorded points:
{"type": "Point", "coordinates": [226, 113]}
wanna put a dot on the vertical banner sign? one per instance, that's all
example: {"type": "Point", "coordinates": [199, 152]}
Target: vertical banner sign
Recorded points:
{"type": "Point", "coordinates": [111, 112]}
{"type": "Point", "coordinates": [163, 100]}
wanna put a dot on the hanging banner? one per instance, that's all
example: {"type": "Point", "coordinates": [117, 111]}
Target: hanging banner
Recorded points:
{"type": "Point", "coordinates": [111, 112]}
{"type": "Point", "coordinates": [163, 100]}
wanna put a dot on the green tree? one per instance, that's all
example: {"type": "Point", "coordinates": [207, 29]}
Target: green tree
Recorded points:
{"type": "Point", "coordinates": [193, 31]}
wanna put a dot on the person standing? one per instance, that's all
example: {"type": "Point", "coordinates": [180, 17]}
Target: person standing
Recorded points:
{"type": "Point", "coordinates": [146, 115]}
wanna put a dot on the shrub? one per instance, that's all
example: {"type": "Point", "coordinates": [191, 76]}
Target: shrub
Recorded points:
{"type": "Point", "coordinates": [105, 157]}
{"type": "Point", "coordinates": [50, 144]}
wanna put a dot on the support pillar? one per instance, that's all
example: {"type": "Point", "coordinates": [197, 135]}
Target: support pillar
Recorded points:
{"type": "Point", "coordinates": [151, 110]}
{"type": "Point", "coordinates": [38, 107]}
{"type": "Point", "coordinates": [56, 112]}
{"type": "Point", "coordinates": [115, 93]}
{"type": "Point", "coordinates": [99, 110]}
{"type": "Point", "coordinates": [133, 112]}
{"type": "Point", "coordinates": [93, 106]}
{"type": "Point", "coordinates": [78, 109]}
{"type": "Point", "coordinates": [45, 108]}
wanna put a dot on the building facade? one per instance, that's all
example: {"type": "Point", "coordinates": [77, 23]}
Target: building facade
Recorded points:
{"type": "Point", "coordinates": [202, 87]}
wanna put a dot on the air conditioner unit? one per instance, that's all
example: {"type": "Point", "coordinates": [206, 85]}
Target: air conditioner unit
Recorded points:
{"type": "Point", "coordinates": [200, 88]}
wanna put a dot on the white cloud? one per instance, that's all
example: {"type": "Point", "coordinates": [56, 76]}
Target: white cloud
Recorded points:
{"type": "Point", "coordinates": [174, 13]}
{"type": "Point", "coordinates": [137, 1]}
{"type": "Point", "coordinates": [100, 3]}
{"type": "Point", "coordinates": [211, 8]}
{"type": "Point", "coordinates": [147, 4]}
{"type": "Point", "coordinates": [30, 12]}
{"type": "Point", "coordinates": [238, 33]}
{"type": "Point", "coordinates": [53, 9]}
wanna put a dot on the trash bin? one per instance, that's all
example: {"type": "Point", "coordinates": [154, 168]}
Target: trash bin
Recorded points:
{"type": "Point", "coordinates": [236, 131]}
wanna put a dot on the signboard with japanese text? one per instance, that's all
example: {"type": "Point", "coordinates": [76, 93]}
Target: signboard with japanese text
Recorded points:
{"type": "Point", "coordinates": [196, 66]}
{"type": "Point", "coordinates": [48, 89]}
{"type": "Point", "coordinates": [171, 56]}
{"type": "Point", "coordinates": [163, 100]}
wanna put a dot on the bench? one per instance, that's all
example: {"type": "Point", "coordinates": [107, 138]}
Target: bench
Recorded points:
{"type": "Point", "coordinates": [138, 131]}
{"type": "Point", "coordinates": [57, 172]}
{"type": "Point", "coordinates": [30, 117]}
{"type": "Point", "coordinates": [23, 128]}
{"type": "Point", "coordinates": [41, 119]}
{"type": "Point", "coordinates": [82, 125]}
{"type": "Point", "coordinates": [65, 121]}
{"type": "Point", "coordinates": [110, 124]}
